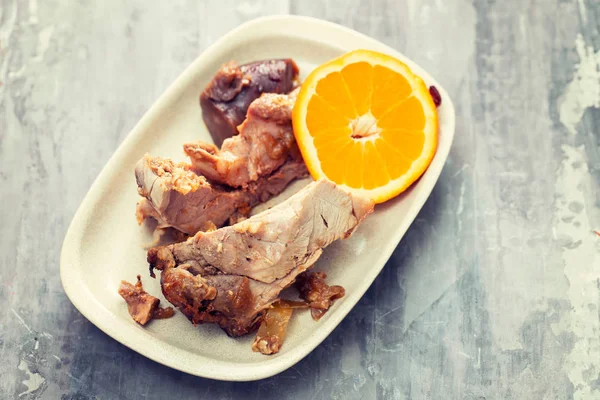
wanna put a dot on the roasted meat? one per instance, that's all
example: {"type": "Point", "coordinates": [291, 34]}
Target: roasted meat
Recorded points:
{"type": "Point", "coordinates": [318, 294]}
{"type": "Point", "coordinates": [265, 142]}
{"type": "Point", "coordinates": [231, 275]}
{"type": "Point", "coordinates": [177, 197]}
{"type": "Point", "coordinates": [142, 306]}
{"type": "Point", "coordinates": [228, 95]}
{"type": "Point", "coordinates": [235, 303]}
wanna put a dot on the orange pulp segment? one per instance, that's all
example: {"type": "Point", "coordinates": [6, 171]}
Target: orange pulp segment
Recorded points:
{"type": "Point", "coordinates": [366, 122]}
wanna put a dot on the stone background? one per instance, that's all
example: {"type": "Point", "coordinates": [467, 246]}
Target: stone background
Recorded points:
{"type": "Point", "coordinates": [494, 293]}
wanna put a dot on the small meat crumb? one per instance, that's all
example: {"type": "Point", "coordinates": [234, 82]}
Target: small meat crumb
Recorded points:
{"type": "Point", "coordinates": [142, 306]}
{"type": "Point", "coordinates": [162, 313]}
{"type": "Point", "coordinates": [317, 293]}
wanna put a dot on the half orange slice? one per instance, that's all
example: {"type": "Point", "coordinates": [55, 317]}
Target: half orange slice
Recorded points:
{"type": "Point", "coordinates": [366, 122]}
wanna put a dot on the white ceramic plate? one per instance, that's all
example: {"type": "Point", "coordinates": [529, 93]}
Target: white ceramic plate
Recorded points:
{"type": "Point", "coordinates": [104, 244]}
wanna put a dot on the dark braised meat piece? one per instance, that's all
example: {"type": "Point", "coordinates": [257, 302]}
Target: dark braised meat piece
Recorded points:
{"type": "Point", "coordinates": [265, 142]}
{"type": "Point", "coordinates": [226, 98]}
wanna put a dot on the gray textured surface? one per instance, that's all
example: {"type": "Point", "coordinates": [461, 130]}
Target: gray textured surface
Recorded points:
{"type": "Point", "coordinates": [494, 293]}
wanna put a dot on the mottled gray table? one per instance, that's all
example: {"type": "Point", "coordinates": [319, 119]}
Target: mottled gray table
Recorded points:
{"type": "Point", "coordinates": [494, 293]}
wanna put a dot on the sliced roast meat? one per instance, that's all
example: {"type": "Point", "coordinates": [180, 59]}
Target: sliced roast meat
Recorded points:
{"type": "Point", "coordinates": [233, 274]}
{"type": "Point", "coordinates": [267, 246]}
{"type": "Point", "coordinates": [177, 197]}
{"type": "Point", "coordinates": [265, 142]}
{"type": "Point", "coordinates": [226, 98]}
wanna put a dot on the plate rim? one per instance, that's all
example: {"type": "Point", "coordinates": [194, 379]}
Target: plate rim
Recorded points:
{"type": "Point", "coordinates": [145, 344]}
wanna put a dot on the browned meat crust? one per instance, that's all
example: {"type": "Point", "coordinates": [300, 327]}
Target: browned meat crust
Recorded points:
{"type": "Point", "coordinates": [222, 299]}
{"type": "Point", "coordinates": [206, 295]}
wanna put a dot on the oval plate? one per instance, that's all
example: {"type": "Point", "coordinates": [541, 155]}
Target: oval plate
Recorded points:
{"type": "Point", "coordinates": [104, 244]}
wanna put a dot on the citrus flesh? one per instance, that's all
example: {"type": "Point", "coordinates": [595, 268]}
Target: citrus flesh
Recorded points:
{"type": "Point", "coordinates": [366, 122]}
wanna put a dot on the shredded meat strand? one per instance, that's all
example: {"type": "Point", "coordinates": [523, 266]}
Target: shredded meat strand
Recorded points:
{"type": "Point", "coordinates": [283, 303]}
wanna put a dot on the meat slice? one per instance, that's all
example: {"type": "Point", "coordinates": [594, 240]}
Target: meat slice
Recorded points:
{"type": "Point", "coordinates": [142, 306]}
{"type": "Point", "coordinates": [265, 142]}
{"type": "Point", "coordinates": [177, 197]}
{"type": "Point", "coordinates": [319, 295]}
{"type": "Point", "coordinates": [235, 303]}
{"type": "Point", "coordinates": [231, 275]}
{"type": "Point", "coordinates": [226, 98]}
{"type": "Point", "coordinates": [267, 246]}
